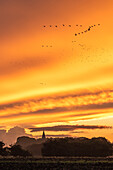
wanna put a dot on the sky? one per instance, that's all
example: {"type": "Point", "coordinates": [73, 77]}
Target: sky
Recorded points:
{"type": "Point", "coordinates": [55, 74]}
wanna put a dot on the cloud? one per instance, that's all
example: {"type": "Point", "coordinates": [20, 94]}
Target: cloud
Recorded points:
{"type": "Point", "coordinates": [12, 134]}
{"type": "Point", "coordinates": [78, 132]}
{"type": "Point", "coordinates": [70, 105]}
{"type": "Point", "coordinates": [2, 134]}
{"type": "Point", "coordinates": [57, 136]}
{"type": "Point", "coordinates": [45, 100]}
{"type": "Point", "coordinates": [70, 109]}
{"type": "Point", "coordinates": [25, 64]}
{"type": "Point", "coordinates": [68, 128]}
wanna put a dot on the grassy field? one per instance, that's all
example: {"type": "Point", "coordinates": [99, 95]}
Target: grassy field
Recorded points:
{"type": "Point", "coordinates": [56, 163]}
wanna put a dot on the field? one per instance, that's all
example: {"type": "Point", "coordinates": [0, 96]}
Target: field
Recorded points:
{"type": "Point", "coordinates": [56, 163]}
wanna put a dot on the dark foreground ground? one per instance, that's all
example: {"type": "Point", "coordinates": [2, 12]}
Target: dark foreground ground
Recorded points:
{"type": "Point", "coordinates": [56, 163]}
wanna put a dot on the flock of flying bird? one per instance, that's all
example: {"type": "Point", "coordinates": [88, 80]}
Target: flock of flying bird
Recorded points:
{"type": "Point", "coordinates": [76, 34]}
{"type": "Point", "coordinates": [62, 25]}
{"type": "Point", "coordinates": [86, 30]}
{"type": "Point", "coordinates": [47, 46]}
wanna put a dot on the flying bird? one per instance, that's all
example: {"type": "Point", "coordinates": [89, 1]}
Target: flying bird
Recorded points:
{"type": "Point", "coordinates": [69, 25]}
{"type": "Point", "coordinates": [81, 45]}
{"type": "Point", "coordinates": [63, 25]}
{"type": "Point", "coordinates": [55, 25]}
{"type": "Point", "coordinates": [75, 34]}
{"type": "Point", "coordinates": [41, 83]}
{"type": "Point", "coordinates": [50, 25]}
{"type": "Point", "coordinates": [44, 26]}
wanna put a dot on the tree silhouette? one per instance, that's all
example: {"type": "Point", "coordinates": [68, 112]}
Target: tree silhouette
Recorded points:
{"type": "Point", "coordinates": [3, 151]}
{"type": "Point", "coordinates": [77, 147]}
{"type": "Point", "coordinates": [16, 150]}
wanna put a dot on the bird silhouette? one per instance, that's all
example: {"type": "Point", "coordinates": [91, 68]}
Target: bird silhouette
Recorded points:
{"type": "Point", "coordinates": [63, 25]}
{"type": "Point", "coordinates": [89, 29]}
{"type": "Point", "coordinates": [69, 25]}
{"type": "Point", "coordinates": [41, 83]}
{"type": "Point", "coordinates": [55, 25]}
{"type": "Point", "coordinates": [50, 25]}
{"type": "Point", "coordinates": [44, 26]}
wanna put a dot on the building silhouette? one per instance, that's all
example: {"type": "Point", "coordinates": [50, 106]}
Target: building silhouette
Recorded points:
{"type": "Point", "coordinates": [43, 135]}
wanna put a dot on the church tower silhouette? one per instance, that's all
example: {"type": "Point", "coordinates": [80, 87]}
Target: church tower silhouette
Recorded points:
{"type": "Point", "coordinates": [43, 135]}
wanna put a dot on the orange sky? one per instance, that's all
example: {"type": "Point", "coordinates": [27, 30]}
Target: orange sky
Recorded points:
{"type": "Point", "coordinates": [67, 83]}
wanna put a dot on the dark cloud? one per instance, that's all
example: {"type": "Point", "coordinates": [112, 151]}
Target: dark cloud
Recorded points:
{"type": "Point", "coordinates": [2, 134]}
{"type": "Point", "coordinates": [68, 128]}
{"type": "Point", "coordinates": [97, 106]}
{"type": "Point", "coordinates": [12, 134]}
{"type": "Point", "coordinates": [57, 136]}
{"type": "Point", "coordinates": [78, 132]}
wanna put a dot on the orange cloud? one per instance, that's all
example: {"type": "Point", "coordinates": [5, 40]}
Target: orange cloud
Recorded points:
{"type": "Point", "coordinates": [70, 81]}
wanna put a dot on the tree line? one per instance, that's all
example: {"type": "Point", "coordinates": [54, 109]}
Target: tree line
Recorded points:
{"type": "Point", "coordinates": [13, 150]}
{"type": "Point", "coordinates": [67, 147]}
{"type": "Point", "coordinates": [95, 147]}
